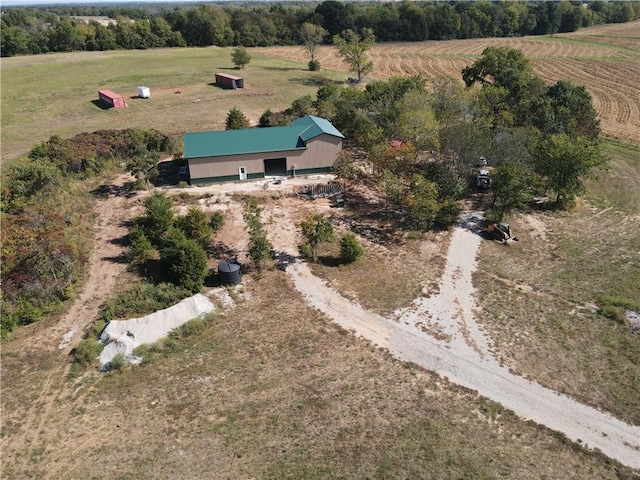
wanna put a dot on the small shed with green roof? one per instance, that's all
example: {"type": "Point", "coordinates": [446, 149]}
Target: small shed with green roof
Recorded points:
{"type": "Point", "coordinates": [309, 145]}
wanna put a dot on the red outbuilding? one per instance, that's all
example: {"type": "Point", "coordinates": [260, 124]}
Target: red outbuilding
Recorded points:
{"type": "Point", "coordinates": [112, 99]}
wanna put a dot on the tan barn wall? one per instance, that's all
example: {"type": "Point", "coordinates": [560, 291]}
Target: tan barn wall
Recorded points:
{"type": "Point", "coordinates": [321, 152]}
{"type": "Point", "coordinates": [320, 155]}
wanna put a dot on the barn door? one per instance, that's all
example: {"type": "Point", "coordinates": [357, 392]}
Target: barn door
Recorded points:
{"type": "Point", "coordinates": [243, 173]}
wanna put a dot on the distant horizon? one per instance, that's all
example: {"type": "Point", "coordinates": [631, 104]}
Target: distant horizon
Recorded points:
{"type": "Point", "coordinates": [49, 3]}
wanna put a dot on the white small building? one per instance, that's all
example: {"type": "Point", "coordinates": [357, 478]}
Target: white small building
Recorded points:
{"type": "Point", "coordinates": [143, 92]}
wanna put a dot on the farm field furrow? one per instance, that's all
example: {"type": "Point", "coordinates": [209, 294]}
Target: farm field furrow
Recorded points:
{"type": "Point", "coordinates": [608, 72]}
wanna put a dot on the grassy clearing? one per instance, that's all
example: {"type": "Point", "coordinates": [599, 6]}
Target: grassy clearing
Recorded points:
{"type": "Point", "coordinates": [618, 187]}
{"type": "Point", "coordinates": [65, 103]}
{"type": "Point", "coordinates": [544, 320]}
{"type": "Point", "coordinates": [273, 390]}
{"type": "Point", "coordinates": [388, 278]}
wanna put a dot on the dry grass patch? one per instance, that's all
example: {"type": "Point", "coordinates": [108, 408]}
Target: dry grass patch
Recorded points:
{"type": "Point", "coordinates": [540, 298]}
{"type": "Point", "coordinates": [273, 390]}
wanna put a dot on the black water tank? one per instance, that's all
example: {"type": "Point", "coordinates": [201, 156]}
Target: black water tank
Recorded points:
{"type": "Point", "coordinates": [229, 272]}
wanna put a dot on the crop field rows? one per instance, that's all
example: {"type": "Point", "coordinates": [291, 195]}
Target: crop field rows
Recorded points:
{"type": "Point", "coordinates": [606, 61]}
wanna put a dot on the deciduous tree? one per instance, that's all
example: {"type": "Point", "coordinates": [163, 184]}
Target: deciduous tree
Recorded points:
{"type": "Point", "coordinates": [565, 163]}
{"type": "Point", "coordinates": [315, 229]}
{"type": "Point", "coordinates": [312, 36]}
{"type": "Point", "coordinates": [353, 48]}
{"type": "Point", "coordinates": [240, 57]}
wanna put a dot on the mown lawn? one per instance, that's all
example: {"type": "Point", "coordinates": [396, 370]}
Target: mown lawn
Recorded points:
{"type": "Point", "coordinates": [57, 94]}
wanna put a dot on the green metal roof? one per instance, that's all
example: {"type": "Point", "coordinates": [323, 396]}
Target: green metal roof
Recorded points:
{"type": "Point", "coordinates": [256, 140]}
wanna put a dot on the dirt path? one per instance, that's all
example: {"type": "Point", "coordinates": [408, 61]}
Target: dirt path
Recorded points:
{"type": "Point", "coordinates": [106, 263]}
{"type": "Point", "coordinates": [440, 334]}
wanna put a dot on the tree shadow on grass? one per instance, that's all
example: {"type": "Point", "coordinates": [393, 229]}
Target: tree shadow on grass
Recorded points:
{"type": "Point", "coordinates": [330, 261]}
{"type": "Point", "coordinates": [106, 190]}
{"type": "Point", "coordinates": [315, 82]}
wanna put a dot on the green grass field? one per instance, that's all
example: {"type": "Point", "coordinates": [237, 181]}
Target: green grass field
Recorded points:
{"type": "Point", "coordinates": [48, 95]}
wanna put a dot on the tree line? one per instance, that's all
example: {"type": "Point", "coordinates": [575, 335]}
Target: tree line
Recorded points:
{"type": "Point", "coordinates": [55, 29]}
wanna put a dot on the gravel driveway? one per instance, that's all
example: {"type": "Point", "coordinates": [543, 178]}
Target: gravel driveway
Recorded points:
{"type": "Point", "coordinates": [440, 334]}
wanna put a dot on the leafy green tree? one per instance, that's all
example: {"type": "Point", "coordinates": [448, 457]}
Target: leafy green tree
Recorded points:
{"type": "Point", "coordinates": [422, 203]}
{"type": "Point", "coordinates": [511, 184]}
{"type": "Point", "coordinates": [385, 100]}
{"type": "Point", "coordinates": [236, 120]}
{"type": "Point", "coordinates": [514, 145]}
{"type": "Point", "coordinates": [463, 143]}
{"type": "Point", "coordinates": [449, 100]}
{"type": "Point", "coordinates": [565, 163]}
{"type": "Point", "coordinates": [510, 90]}
{"type": "Point", "coordinates": [240, 57]}
{"type": "Point", "coordinates": [416, 122]}
{"type": "Point", "coordinates": [350, 249]}
{"type": "Point", "coordinates": [501, 66]}
{"type": "Point", "coordinates": [336, 16]}
{"type": "Point", "coordinates": [14, 41]}
{"type": "Point", "coordinates": [157, 218]}
{"type": "Point", "coordinates": [572, 111]}
{"type": "Point", "coordinates": [184, 260]}
{"type": "Point", "coordinates": [300, 107]}
{"type": "Point", "coordinates": [315, 229]}
{"type": "Point", "coordinates": [311, 36]}
{"type": "Point", "coordinates": [353, 48]}
{"type": "Point", "coordinates": [344, 166]}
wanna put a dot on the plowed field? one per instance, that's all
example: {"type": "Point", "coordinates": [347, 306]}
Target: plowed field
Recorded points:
{"type": "Point", "coordinates": [606, 59]}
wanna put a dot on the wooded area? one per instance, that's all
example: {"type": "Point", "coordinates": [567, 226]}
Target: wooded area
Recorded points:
{"type": "Point", "coordinates": [59, 29]}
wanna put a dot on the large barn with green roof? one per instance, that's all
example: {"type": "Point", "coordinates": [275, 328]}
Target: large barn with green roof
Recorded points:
{"type": "Point", "coordinates": [309, 145]}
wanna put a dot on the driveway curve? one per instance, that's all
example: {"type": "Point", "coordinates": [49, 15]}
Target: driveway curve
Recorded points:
{"type": "Point", "coordinates": [440, 334]}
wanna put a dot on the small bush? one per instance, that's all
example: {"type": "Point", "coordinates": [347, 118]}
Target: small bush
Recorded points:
{"type": "Point", "coordinates": [613, 307]}
{"type": "Point", "coordinates": [314, 65]}
{"type": "Point", "coordinates": [118, 362]}
{"type": "Point", "coordinates": [87, 352]}
{"type": "Point", "coordinates": [188, 329]}
{"type": "Point", "coordinates": [613, 312]}
{"type": "Point", "coordinates": [147, 351]}
{"type": "Point", "coordinates": [182, 184]}
{"type": "Point", "coordinates": [350, 249]}
{"type": "Point", "coordinates": [142, 299]}
{"type": "Point", "coordinates": [216, 221]}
